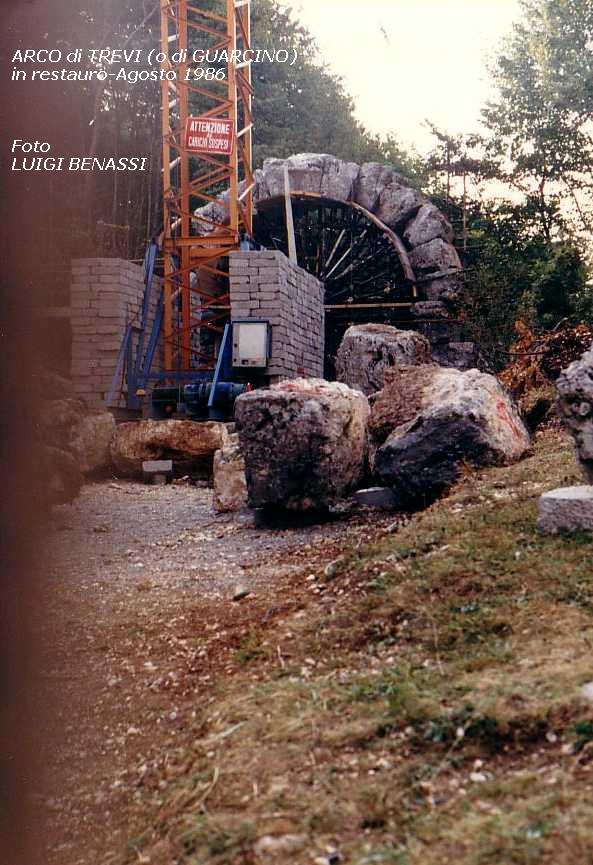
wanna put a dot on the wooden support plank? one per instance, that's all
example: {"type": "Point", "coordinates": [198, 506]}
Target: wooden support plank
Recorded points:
{"type": "Point", "coordinates": [292, 254]}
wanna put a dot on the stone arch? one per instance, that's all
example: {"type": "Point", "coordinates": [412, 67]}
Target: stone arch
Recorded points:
{"type": "Point", "coordinates": [418, 230]}
{"type": "Point", "coordinates": [424, 235]}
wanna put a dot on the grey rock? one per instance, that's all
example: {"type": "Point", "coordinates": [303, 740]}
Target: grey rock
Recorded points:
{"type": "Point", "coordinates": [432, 321]}
{"type": "Point", "coordinates": [587, 691]}
{"type": "Point", "coordinates": [317, 173]}
{"type": "Point", "coordinates": [49, 384]}
{"type": "Point", "coordinates": [427, 225]}
{"type": "Point", "coordinates": [304, 443]}
{"type": "Point", "coordinates": [398, 204]}
{"type": "Point", "coordinates": [339, 179]}
{"type": "Point", "coordinates": [157, 472]}
{"type": "Point", "coordinates": [86, 434]}
{"type": "Point", "coordinates": [434, 256]}
{"type": "Point", "coordinates": [446, 287]}
{"type": "Point", "coordinates": [372, 179]}
{"type": "Point", "coordinates": [381, 498]}
{"type": "Point", "coordinates": [459, 355]}
{"type": "Point", "coordinates": [575, 405]}
{"type": "Point", "coordinates": [430, 309]}
{"type": "Point", "coordinates": [90, 441]}
{"type": "Point", "coordinates": [429, 421]}
{"type": "Point", "coordinates": [60, 477]}
{"type": "Point", "coordinates": [367, 350]}
{"type": "Point", "coordinates": [332, 570]}
{"type": "Point", "coordinates": [152, 467]}
{"type": "Point", "coordinates": [211, 215]}
{"type": "Point", "coordinates": [567, 509]}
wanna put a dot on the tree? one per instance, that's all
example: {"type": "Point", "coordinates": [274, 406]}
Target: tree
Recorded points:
{"type": "Point", "coordinates": [540, 135]}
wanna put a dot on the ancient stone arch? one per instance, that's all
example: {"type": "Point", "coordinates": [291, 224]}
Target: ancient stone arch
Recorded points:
{"type": "Point", "coordinates": [420, 233]}
{"type": "Point", "coordinates": [416, 249]}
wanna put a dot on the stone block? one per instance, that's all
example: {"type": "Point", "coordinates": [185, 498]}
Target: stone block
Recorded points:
{"type": "Point", "coordinates": [567, 509]}
{"type": "Point", "coordinates": [381, 498]}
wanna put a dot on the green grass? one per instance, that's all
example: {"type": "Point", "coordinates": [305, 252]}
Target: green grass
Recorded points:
{"type": "Point", "coordinates": [444, 718]}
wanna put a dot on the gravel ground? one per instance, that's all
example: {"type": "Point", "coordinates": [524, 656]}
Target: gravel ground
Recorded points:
{"type": "Point", "coordinates": [127, 531]}
{"type": "Point", "coordinates": [139, 630]}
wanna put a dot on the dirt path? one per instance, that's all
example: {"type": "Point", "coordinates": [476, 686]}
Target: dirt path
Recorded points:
{"type": "Point", "coordinates": [141, 629]}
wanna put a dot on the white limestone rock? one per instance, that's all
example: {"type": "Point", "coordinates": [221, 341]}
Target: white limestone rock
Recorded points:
{"type": "Point", "coordinates": [304, 443]}
{"type": "Point", "coordinates": [567, 509]}
{"type": "Point", "coordinates": [367, 350]}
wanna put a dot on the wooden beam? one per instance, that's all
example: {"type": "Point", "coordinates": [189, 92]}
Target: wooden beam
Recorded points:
{"type": "Point", "coordinates": [292, 254]}
{"type": "Point", "coordinates": [369, 305]}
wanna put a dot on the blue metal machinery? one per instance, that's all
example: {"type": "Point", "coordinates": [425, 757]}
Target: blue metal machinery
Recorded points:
{"type": "Point", "coordinates": [199, 395]}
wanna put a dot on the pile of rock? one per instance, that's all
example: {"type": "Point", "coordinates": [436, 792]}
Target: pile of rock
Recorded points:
{"type": "Point", "coordinates": [308, 443]}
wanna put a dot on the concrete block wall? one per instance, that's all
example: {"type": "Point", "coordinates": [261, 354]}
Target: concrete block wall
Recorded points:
{"type": "Point", "coordinates": [267, 286]}
{"type": "Point", "coordinates": [105, 294]}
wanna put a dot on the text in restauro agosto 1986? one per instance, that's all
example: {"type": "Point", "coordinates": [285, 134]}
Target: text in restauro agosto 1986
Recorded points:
{"type": "Point", "coordinates": [125, 65]}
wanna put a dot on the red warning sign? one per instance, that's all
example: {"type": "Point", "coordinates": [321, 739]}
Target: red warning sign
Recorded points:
{"type": "Point", "coordinates": [209, 135]}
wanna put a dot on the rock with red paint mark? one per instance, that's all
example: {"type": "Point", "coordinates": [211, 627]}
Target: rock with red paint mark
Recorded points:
{"type": "Point", "coordinates": [304, 443]}
{"type": "Point", "coordinates": [429, 421]}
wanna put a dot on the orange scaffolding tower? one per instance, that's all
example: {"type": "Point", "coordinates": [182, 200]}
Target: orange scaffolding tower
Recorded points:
{"type": "Point", "coordinates": [206, 74]}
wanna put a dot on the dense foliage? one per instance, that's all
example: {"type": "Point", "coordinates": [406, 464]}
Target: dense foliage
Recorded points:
{"type": "Point", "coordinates": [520, 194]}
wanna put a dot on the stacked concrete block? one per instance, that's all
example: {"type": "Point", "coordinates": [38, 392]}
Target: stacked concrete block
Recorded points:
{"type": "Point", "coordinates": [105, 294]}
{"type": "Point", "coordinates": [266, 286]}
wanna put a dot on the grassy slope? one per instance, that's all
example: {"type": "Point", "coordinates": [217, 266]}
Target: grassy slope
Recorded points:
{"type": "Point", "coordinates": [438, 715]}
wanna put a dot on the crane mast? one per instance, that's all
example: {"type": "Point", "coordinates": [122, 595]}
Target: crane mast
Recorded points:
{"type": "Point", "coordinates": [207, 85]}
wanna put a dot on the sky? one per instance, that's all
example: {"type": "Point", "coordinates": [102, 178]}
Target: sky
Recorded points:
{"type": "Point", "coordinates": [405, 61]}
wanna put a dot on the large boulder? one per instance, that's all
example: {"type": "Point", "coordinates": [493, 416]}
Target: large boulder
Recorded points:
{"type": "Point", "coordinates": [60, 477]}
{"type": "Point", "coordinates": [90, 441]}
{"type": "Point", "coordinates": [432, 320]}
{"type": "Point", "coordinates": [428, 422]}
{"type": "Point", "coordinates": [49, 384]}
{"type": "Point", "coordinates": [190, 444]}
{"type": "Point", "coordinates": [461, 355]}
{"type": "Point", "coordinates": [367, 350]}
{"type": "Point", "coordinates": [304, 443]}
{"type": "Point", "coordinates": [445, 286]}
{"type": "Point", "coordinates": [575, 405]}
{"type": "Point", "coordinates": [317, 173]}
{"type": "Point", "coordinates": [86, 434]}
{"type": "Point", "coordinates": [56, 418]}
{"type": "Point", "coordinates": [230, 486]}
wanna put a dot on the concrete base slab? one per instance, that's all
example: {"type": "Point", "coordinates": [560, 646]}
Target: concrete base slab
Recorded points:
{"type": "Point", "coordinates": [157, 472]}
{"type": "Point", "coordinates": [567, 509]}
{"type": "Point", "coordinates": [381, 498]}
